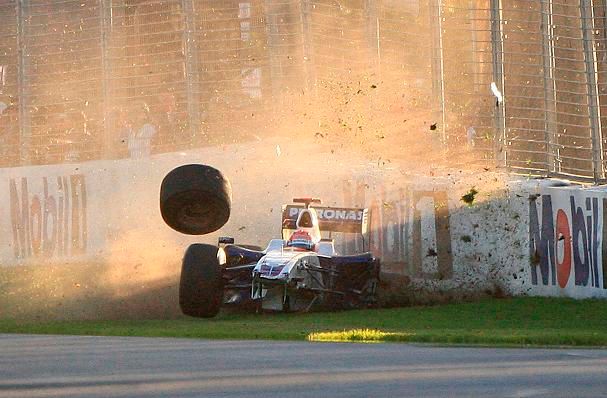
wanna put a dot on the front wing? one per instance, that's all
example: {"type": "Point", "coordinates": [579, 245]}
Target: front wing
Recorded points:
{"type": "Point", "coordinates": [340, 282]}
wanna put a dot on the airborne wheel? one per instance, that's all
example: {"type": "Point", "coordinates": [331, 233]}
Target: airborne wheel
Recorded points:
{"type": "Point", "coordinates": [195, 199]}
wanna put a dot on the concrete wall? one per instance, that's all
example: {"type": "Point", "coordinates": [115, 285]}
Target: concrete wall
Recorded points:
{"type": "Point", "coordinates": [519, 236]}
{"type": "Point", "coordinates": [516, 237]}
{"type": "Point", "coordinates": [66, 213]}
{"type": "Point", "coordinates": [568, 241]}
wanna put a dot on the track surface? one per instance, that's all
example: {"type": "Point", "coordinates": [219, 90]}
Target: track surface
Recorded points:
{"type": "Point", "coordinates": [65, 366]}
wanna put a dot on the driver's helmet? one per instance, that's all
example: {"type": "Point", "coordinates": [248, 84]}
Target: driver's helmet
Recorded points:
{"type": "Point", "coordinates": [302, 240]}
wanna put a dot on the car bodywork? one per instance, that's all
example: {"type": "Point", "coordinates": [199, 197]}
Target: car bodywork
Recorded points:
{"type": "Point", "coordinates": [284, 278]}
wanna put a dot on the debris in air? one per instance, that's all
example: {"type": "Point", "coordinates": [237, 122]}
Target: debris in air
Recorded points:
{"type": "Point", "coordinates": [497, 93]}
{"type": "Point", "coordinates": [433, 126]}
{"type": "Point", "coordinates": [470, 196]}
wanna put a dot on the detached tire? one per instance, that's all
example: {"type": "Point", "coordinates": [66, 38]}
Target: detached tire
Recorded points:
{"type": "Point", "coordinates": [195, 199]}
{"type": "Point", "coordinates": [201, 285]}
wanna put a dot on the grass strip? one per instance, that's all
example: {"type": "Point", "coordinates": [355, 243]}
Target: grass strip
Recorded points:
{"type": "Point", "coordinates": [359, 335]}
{"type": "Point", "coordinates": [507, 322]}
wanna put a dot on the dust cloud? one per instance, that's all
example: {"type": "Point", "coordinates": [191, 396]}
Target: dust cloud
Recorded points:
{"type": "Point", "coordinates": [348, 121]}
{"type": "Point", "coordinates": [137, 278]}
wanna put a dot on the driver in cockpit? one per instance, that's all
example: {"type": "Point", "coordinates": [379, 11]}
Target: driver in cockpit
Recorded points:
{"type": "Point", "coordinates": [307, 234]}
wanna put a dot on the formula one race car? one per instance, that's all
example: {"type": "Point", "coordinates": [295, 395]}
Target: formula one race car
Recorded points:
{"type": "Point", "coordinates": [296, 273]}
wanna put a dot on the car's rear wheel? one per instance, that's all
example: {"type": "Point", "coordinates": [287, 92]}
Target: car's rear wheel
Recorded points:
{"type": "Point", "coordinates": [195, 199]}
{"type": "Point", "coordinates": [201, 285]}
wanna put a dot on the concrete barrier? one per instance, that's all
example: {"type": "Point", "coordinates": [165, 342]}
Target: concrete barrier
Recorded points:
{"type": "Point", "coordinates": [568, 241]}
{"type": "Point", "coordinates": [516, 236]}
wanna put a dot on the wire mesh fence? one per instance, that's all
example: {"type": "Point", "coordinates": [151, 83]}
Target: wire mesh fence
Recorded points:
{"type": "Point", "coordinates": [552, 64]}
{"type": "Point", "coordinates": [519, 82]}
{"type": "Point", "coordinates": [147, 53]}
{"type": "Point", "coordinates": [9, 87]}
{"type": "Point", "coordinates": [467, 72]}
{"type": "Point", "coordinates": [549, 97]}
{"type": "Point", "coordinates": [61, 78]}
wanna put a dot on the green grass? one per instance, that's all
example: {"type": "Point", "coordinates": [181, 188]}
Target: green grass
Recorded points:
{"type": "Point", "coordinates": [511, 322]}
{"type": "Point", "coordinates": [359, 335]}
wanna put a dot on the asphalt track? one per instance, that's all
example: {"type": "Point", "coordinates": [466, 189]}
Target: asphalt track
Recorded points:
{"type": "Point", "coordinates": [65, 366]}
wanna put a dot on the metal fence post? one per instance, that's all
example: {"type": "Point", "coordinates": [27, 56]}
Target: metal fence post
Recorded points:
{"type": "Point", "coordinates": [273, 38]}
{"type": "Point", "coordinates": [371, 9]}
{"type": "Point", "coordinates": [25, 132]}
{"type": "Point", "coordinates": [497, 45]}
{"type": "Point", "coordinates": [307, 47]}
{"type": "Point", "coordinates": [106, 26]}
{"type": "Point", "coordinates": [547, 28]}
{"type": "Point", "coordinates": [438, 66]}
{"type": "Point", "coordinates": [587, 16]}
{"type": "Point", "coordinates": [371, 14]}
{"type": "Point", "coordinates": [192, 70]}
{"type": "Point", "coordinates": [474, 39]}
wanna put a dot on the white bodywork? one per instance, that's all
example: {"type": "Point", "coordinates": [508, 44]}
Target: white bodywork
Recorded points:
{"type": "Point", "coordinates": [283, 269]}
{"type": "Point", "coordinates": [289, 276]}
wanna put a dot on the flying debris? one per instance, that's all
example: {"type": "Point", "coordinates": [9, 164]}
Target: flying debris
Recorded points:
{"type": "Point", "coordinates": [469, 197]}
{"type": "Point", "coordinates": [497, 93]}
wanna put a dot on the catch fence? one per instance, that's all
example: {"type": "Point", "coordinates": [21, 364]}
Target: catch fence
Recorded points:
{"type": "Point", "coordinates": [552, 77]}
{"type": "Point", "coordinates": [519, 82]}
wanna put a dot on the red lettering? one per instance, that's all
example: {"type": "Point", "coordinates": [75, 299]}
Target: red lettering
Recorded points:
{"type": "Point", "coordinates": [563, 267]}
{"type": "Point", "coordinates": [49, 222]}
{"type": "Point", "coordinates": [36, 225]}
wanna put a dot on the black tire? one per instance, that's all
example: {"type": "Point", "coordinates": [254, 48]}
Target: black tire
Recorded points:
{"type": "Point", "coordinates": [195, 199]}
{"type": "Point", "coordinates": [201, 285]}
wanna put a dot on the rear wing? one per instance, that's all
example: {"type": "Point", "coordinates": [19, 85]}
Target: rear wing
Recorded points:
{"type": "Point", "coordinates": [330, 219]}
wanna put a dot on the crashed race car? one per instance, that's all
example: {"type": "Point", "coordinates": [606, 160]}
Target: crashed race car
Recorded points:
{"type": "Point", "coordinates": [299, 272]}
